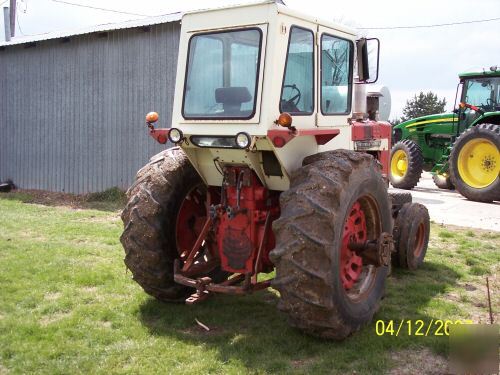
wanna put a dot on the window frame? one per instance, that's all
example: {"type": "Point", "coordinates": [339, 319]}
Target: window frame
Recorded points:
{"type": "Point", "coordinates": [294, 26]}
{"type": "Point", "coordinates": [257, 74]}
{"type": "Point", "coordinates": [350, 78]}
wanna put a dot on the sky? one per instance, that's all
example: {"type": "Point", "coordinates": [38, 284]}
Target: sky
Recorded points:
{"type": "Point", "coordinates": [411, 60]}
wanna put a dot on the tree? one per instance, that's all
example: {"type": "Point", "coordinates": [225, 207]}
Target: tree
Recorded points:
{"type": "Point", "coordinates": [422, 105]}
{"type": "Point", "coordinates": [395, 121]}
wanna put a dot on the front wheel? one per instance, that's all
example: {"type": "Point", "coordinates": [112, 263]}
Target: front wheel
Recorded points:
{"type": "Point", "coordinates": [335, 199]}
{"type": "Point", "coordinates": [475, 163]}
{"type": "Point", "coordinates": [411, 235]}
{"type": "Point", "coordinates": [406, 164]}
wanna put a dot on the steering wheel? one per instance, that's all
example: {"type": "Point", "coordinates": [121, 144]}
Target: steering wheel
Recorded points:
{"type": "Point", "coordinates": [290, 105]}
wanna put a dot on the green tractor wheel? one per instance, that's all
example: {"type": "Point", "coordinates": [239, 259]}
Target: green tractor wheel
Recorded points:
{"type": "Point", "coordinates": [406, 164]}
{"type": "Point", "coordinates": [475, 163]}
{"type": "Point", "coordinates": [443, 181]}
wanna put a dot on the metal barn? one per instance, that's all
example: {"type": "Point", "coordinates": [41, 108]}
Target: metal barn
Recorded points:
{"type": "Point", "coordinates": [72, 106]}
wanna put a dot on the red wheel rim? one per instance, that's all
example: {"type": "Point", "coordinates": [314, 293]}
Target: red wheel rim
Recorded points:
{"type": "Point", "coordinates": [419, 240]}
{"type": "Point", "coordinates": [190, 219]}
{"type": "Point", "coordinates": [355, 230]}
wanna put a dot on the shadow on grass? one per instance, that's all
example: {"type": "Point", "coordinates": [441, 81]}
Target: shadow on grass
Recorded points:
{"type": "Point", "coordinates": [250, 329]}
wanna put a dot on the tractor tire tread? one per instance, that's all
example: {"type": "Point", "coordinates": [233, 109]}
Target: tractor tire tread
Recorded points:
{"type": "Point", "coordinates": [415, 164]}
{"type": "Point", "coordinates": [407, 221]}
{"type": "Point", "coordinates": [490, 193]}
{"type": "Point", "coordinates": [148, 227]}
{"type": "Point", "coordinates": [442, 182]}
{"type": "Point", "coordinates": [303, 260]}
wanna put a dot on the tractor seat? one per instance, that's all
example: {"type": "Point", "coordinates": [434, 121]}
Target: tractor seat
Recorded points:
{"type": "Point", "coordinates": [232, 98]}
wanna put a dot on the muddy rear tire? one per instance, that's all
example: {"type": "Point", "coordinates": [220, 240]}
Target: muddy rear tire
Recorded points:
{"type": "Point", "coordinates": [310, 237]}
{"type": "Point", "coordinates": [149, 219]}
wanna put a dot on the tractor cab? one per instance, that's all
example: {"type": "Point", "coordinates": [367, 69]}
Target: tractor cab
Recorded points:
{"type": "Point", "coordinates": [241, 68]}
{"type": "Point", "coordinates": [480, 95]}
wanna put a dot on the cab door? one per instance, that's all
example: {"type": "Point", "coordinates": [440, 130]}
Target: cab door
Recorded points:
{"type": "Point", "coordinates": [335, 81]}
{"type": "Point", "coordinates": [298, 89]}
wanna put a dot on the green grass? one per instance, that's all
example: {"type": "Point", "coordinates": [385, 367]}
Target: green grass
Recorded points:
{"type": "Point", "coordinates": [67, 305]}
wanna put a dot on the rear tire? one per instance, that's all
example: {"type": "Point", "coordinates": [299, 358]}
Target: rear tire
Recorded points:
{"type": "Point", "coordinates": [310, 235]}
{"type": "Point", "coordinates": [149, 218]}
{"type": "Point", "coordinates": [411, 236]}
{"type": "Point", "coordinates": [442, 182]}
{"type": "Point", "coordinates": [475, 163]}
{"type": "Point", "coordinates": [406, 164]}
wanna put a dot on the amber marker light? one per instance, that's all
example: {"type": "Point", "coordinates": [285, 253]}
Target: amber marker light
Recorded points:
{"type": "Point", "coordinates": [285, 120]}
{"type": "Point", "coordinates": [152, 117]}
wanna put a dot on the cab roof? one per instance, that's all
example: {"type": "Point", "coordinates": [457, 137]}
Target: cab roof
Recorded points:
{"type": "Point", "coordinates": [281, 9]}
{"type": "Point", "coordinates": [492, 72]}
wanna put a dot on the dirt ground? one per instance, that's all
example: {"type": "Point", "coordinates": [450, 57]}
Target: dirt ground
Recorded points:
{"type": "Point", "coordinates": [49, 198]}
{"type": "Point", "coordinates": [109, 200]}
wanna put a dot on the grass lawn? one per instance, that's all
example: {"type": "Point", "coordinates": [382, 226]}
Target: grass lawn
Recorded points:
{"type": "Point", "coordinates": [67, 305]}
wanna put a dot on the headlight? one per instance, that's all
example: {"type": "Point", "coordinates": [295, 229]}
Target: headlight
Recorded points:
{"type": "Point", "coordinates": [175, 135]}
{"type": "Point", "coordinates": [242, 140]}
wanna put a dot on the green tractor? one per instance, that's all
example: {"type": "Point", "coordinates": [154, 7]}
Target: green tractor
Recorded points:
{"type": "Point", "coordinates": [460, 149]}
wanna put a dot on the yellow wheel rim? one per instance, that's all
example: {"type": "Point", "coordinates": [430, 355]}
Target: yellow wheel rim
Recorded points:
{"type": "Point", "coordinates": [399, 164]}
{"type": "Point", "coordinates": [479, 163]}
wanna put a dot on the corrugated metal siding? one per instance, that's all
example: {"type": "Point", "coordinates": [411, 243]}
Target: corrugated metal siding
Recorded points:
{"type": "Point", "coordinates": [72, 113]}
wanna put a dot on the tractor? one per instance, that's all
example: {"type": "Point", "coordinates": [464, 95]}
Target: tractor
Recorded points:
{"type": "Point", "coordinates": [275, 176]}
{"type": "Point", "coordinates": [460, 149]}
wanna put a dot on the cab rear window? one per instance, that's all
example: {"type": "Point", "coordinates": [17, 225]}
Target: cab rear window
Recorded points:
{"type": "Point", "coordinates": [222, 74]}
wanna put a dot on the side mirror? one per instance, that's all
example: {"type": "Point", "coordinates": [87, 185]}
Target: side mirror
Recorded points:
{"type": "Point", "coordinates": [368, 52]}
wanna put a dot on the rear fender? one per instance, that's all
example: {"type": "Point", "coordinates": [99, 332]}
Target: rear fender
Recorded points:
{"type": "Point", "coordinates": [488, 117]}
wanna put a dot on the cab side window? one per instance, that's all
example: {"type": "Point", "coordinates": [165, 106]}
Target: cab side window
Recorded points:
{"type": "Point", "coordinates": [297, 92]}
{"type": "Point", "coordinates": [336, 75]}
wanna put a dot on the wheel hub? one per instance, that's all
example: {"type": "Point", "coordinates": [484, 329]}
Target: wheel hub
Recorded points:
{"type": "Point", "coordinates": [399, 163]}
{"type": "Point", "coordinates": [479, 163]}
{"type": "Point", "coordinates": [355, 231]}
{"type": "Point", "coordinates": [488, 163]}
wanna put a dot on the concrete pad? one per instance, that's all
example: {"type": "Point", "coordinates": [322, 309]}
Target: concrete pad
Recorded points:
{"type": "Point", "coordinates": [449, 207]}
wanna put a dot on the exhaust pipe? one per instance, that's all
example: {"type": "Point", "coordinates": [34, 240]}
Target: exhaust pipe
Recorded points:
{"type": "Point", "coordinates": [359, 112]}
{"type": "Point", "coordinates": [6, 23]}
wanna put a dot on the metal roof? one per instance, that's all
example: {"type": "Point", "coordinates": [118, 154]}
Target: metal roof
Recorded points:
{"type": "Point", "coordinates": [142, 22]}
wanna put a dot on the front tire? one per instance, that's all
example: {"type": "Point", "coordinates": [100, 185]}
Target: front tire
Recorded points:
{"type": "Point", "coordinates": [325, 288]}
{"type": "Point", "coordinates": [475, 163]}
{"type": "Point", "coordinates": [411, 236]}
{"type": "Point", "coordinates": [406, 164]}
